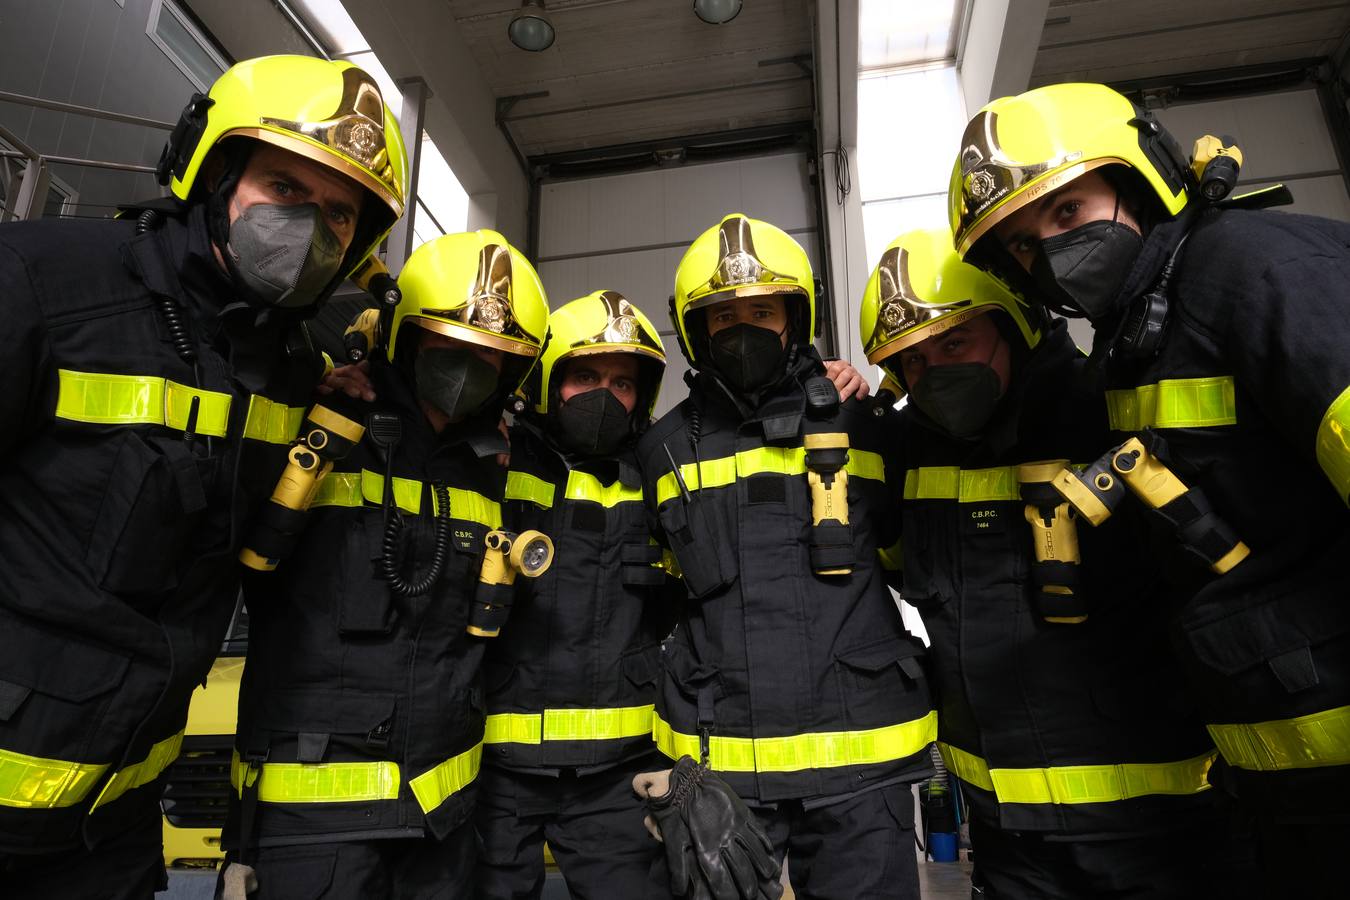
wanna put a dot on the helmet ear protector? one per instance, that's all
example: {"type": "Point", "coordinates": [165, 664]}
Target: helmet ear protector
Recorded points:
{"type": "Point", "coordinates": [183, 140]}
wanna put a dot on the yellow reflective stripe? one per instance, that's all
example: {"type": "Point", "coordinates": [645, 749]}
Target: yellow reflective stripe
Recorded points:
{"type": "Point", "coordinates": [892, 557]}
{"type": "Point", "coordinates": [967, 766]}
{"type": "Point", "coordinates": [584, 486]}
{"type": "Point", "coordinates": [1305, 742]}
{"type": "Point", "coordinates": [962, 485]}
{"type": "Point", "coordinates": [32, 782]}
{"type": "Point", "coordinates": [569, 725]}
{"type": "Point", "coordinates": [524, 486]}
{"type": "Point", "coordinates": [143, 772]}
{"type": "Point", "coordinates": [721, 472]}
{"type": "Point", "coordinates": [597, 724]}
{"type": "Point", "coordinates": [272, 422]}
{"type": "Point", "coordinates": [321, 782]}
{"type": "Point", "coordinates": [1333, 444]}
{"type": "Point", "coordinates": [105, 399]}
{"type": "Point", "coordinates": [514, 728]}
{"type": "Point", "coordinates": [1174, 403]}
{"type": "Point", "coordinates": [1080, 784]}
{"type": "Point", "coordinates": [450, 777]}
{"type": "Point", "coordinates": [794, 753]}
{"type": "Point", "coordinates": [357, 489]}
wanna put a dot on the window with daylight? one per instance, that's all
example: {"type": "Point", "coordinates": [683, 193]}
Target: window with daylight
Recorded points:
{"type": "Point", "coordinates": [439, 203]}
{"type": "Point", "coordinates": [910, 115]}
{"type": "Point", "coordinates": [171, 29]}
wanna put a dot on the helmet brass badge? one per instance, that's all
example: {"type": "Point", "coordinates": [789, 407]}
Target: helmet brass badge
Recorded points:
{"type": "Point", "coordinates": [988, 174]}
{"type": "Point", "coordinates": [355, 129]}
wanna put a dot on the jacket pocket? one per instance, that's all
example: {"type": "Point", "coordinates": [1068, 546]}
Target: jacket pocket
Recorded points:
{"type": "Point", "coordinates": [1278, 636]}
{"type": "Point", "coordinates": [640, 667]}
{"type": "Point", "coordinates": [365, 604]}
{"type": "Point", "coordinates": [149, 516]}
{"type": "Point", "coordinates": [316, 719]}
{"type": "Point", "coordinates": [688, 675]}
{"type": "Point", "coordinates": [58, 688]}
{"type": "Point", "coordinates": [892, 664]}
{"type": "Point", "coordinates": [704, 557]}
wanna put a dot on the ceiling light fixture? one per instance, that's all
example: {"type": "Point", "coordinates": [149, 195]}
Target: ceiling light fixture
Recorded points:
{"type": "Point", "coordinates": [531, 29]}
{"type": "Point", "coordinates": [717, 12]}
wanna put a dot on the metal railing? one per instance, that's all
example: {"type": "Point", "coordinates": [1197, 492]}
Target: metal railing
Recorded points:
{"type": "Point", "coordinates": [30, 201]}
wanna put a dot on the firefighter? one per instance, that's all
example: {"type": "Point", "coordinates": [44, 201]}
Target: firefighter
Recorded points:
{"type": "Point", "coordinates": [1058, 703]}
{"type": "Point", "coordinates": [571, 681]}
{"type": "Point", "coordinates": [157, 370]}
{"type": "Point", "coordinates": [1223, 341]}
{"type": "Point", "coordinates": [790, 671]}
{"type": "Point", "coordinates": [361, 710]}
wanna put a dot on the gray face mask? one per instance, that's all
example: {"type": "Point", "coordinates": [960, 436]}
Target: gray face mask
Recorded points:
{"type": "Point", "coordinates": [454, 380]}
{"type": "Point", "coordinates": [960, 398]}
{"type": "Point", "coordinates": [283, 255]}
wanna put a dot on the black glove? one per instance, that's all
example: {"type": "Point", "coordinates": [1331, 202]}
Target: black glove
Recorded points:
{"type": "Point", "coordinates": [705, 823]}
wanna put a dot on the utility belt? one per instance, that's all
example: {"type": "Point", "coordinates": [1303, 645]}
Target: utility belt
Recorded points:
{"type": "Point", "coordinates": [1057, 495]}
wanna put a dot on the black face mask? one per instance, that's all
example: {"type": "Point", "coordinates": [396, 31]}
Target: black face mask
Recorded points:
{"type": "Point", "coordinates": [1083, 269]}
{"type": "Point", "coordinates": [454, 380]}
{"type": "Point", "coordinates": [747, 356]}
{"type": "Point", "coordinates": [960, 398]}
{"type": "Point", "coordinates": [283, 255]}
{"type": "Point", "coordinates": [593, 423]}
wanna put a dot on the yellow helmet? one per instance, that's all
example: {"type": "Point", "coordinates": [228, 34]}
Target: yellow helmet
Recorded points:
{"type": "Point", "coordinates": [474, 287]}
{"type": "Point", "coordinates": [922, 288]}
{"type": "Point", "coordinates": [737, 258]}
{"type": "Point", "coordinates": [602, 322]}
{"type": "Point", "coordinates": [1018, 149]}
{"type": "Point", "coordinates": [331, 112]}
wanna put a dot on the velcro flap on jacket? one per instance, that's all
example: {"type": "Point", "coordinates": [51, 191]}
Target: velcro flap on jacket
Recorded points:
{"type": "Point", "coordinates": [324, 712]}
{"type": "Point", "coordinates": [1295, 669]}
{"type": "Point", "coordinates": [11, 698]}
{"type": "Point", "coordinates": [310, 747]}
{"type": "Point", "coordinates": [902, 652]}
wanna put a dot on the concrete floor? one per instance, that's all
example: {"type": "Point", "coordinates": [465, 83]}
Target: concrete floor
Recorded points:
{"type": "Point", "coordinates": [937, 881]}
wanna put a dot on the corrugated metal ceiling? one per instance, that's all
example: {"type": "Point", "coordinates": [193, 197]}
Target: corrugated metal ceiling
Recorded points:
{"type": "Point", "coordinates": [624, 71]}
{"type": "Point", "coordinates": [1123, 40]}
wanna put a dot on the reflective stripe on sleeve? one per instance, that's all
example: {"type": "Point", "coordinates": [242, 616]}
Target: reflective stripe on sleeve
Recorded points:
{"type": "Point", "coordinates": [1174, 403]}
{"type": "Point", "coordinates": [32, 782]}
{"type": "Point", "coordinates": [272, 422]}
{"type": "Point", "coordinates": [159, 758]}
{"type": "Point", "coordinates": [892, 557]}
{"type": "Point", "coordinates": [105, 399]}
{"type": "Point", "coordinates": [321, 782]}
{"type": "Point", "coordinates": [449, 778]}
{"type": "Point", "coordinates": [1305, 742]}
{"type": "Point", "coordinates": [358, 489]}
{"type": "Point", "coordinates": [569, 725]}
{"type": "Point", "coordinates": [712, 473]}
{"type": "Point", "coordinates": [794, 753]}
{"type": "Point", "coordinates": [524, 486]}
{"type": "Point", "coordinates": [1333, 444]}
{"type": "Point", "coordinates": [1080, 784]}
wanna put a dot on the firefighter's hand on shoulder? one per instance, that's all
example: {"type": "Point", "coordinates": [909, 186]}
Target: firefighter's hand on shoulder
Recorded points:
{"type": "Point", "coordinates": [353, 380]}
{"type": "Point", "coordinates": [715, 847]}
{"type": "Point", "coordinates": [847, 380]}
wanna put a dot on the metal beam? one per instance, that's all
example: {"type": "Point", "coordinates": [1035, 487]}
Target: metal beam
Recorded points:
{"type": "Point", "coordinates": [410, 118]}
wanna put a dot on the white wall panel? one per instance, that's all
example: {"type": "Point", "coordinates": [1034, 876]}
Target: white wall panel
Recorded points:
{"type": "Point", "coordinates": [627, 232]}
{"type": "Point", "coordinates": [1283, 136]}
